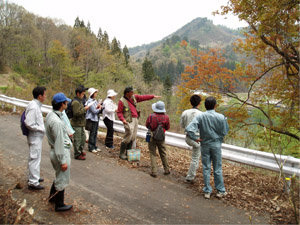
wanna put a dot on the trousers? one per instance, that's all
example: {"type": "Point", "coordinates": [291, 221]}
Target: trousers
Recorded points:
{"type": "Point", "coordinates": [109, 139]}
{"type": "Point", "coordinates": [130, 131]}
{"type": "Point", "coordinates": [34, 159]}
{"type": "Point", "coordinates": [212, 154]}
{"type": "Point", "coordinates": [79, 140]}
{"type": "Point", "coordinates": [162, 153]}
{"type": "Point", "coordinates": [195, 158]}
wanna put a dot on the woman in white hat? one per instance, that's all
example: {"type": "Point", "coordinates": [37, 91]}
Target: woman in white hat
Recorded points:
{"type": "Point", "coordinates": [109, 116]}
{"type": "Point", "coordinates": [92, 118]}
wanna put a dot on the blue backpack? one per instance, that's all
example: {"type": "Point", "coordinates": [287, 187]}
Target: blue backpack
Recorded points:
{"type": "Point", "coordinates": [24, 129]}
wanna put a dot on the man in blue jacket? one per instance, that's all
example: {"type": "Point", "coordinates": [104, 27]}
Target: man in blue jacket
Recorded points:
{"type": "Point", "coordinates": [213, 127]}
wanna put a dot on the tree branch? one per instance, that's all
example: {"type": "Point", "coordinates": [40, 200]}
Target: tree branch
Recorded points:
{"type": "Point", "coordinates": [281, 131]}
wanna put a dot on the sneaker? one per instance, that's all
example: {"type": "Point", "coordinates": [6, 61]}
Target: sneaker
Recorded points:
{"type": "Point", "coordinates": [98, 149]}
{"type": "Point", "coordinates": [207, 195]}
{"type": "Point", "coordinates": [111, 147]}
{"type": "Point", "coordinates": [83, 154]}
{"type": "Point", "coordinates": [221, 194]}
{"type": "Point", "coordinates": [80, 157]}
{"type": "Point", "coordinates": [94, 151]}
{"type": "Point", "coordinates": [35, 187]}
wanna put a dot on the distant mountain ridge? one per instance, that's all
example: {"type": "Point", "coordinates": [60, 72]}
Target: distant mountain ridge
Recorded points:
{"type": "Point", "coordinates": [200, 29]}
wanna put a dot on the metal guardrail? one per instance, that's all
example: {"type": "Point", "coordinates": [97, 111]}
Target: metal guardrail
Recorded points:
{"type": "Point", "coordinates": [265, 160]}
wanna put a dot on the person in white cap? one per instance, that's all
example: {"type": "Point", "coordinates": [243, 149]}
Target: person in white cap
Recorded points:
{"type": "Point", "coordinates": [109, 116]}
{"type": "Point", "coordinates": [92, 117]}
{"type": "Point", "coordinates": [154, 120]}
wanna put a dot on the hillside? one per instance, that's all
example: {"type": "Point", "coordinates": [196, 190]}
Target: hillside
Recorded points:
{"type": "Point", "coordinates": [169, 58]}
{"type": "Point", "coordinates": [199, 30]}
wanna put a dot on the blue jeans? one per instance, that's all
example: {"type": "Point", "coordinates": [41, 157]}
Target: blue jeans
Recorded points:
{"type": "Point", "coordinates": [212, 153]}
{"type": "Point", "coordinates": [93, 136]}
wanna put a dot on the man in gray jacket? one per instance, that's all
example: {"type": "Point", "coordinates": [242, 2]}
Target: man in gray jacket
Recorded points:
{"type": "Point", "coordinates": [60, 143]}
{"type": "Point", "coordinates": [35, 123]}
{"type": "Point", "coordinates": [186, 117]}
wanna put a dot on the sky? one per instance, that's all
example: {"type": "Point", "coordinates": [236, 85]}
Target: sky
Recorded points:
{"type": "Point", "coordinates": [132, 22]}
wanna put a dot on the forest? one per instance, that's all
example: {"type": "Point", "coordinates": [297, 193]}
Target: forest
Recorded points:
{"type": "Point", "coordinates": [259, 92]}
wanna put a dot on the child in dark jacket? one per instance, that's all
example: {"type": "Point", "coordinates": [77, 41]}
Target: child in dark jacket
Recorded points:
{"type": "Point", "coordinates": [153, 121]}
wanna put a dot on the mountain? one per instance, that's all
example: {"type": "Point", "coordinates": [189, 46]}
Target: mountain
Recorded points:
{"type": "Point", "coordinates": [169, 58]}
{"type": "Point", "coordinates": [199, 30]}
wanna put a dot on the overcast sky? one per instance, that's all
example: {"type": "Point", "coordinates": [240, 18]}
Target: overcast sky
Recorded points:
{"type": "Point", "coordinates": [132, 22]}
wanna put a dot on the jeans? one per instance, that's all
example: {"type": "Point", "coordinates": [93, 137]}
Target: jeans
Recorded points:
{"type": "Point", "coordinates": [109, 140]}
{"type": "Point", "coordinates": [212, 153]}
{"type": "Point", "coordinates": [93, 136]}
{"type": "Point", "coordinates": [195, 158]}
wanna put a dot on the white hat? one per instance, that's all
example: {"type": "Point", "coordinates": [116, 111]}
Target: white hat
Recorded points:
{"type": "Point", "coordinates": [91, 91]}
{"type": "Point", "coordinates": [111, 93]}
{"type": "Point", "coordinates": [159, 107]}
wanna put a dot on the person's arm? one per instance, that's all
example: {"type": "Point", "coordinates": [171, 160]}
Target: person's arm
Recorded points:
{"type": "Point", "coordinates": [78, 110]}
{"type": "Point", "coordinates": [31, 120]}
{"type": "Point", "coordinates": [193, 128]}
{"type": "Point", "coordinates": [167, 125]}
{"type": "Point", "coordinates": [182, 121]}
{"type": "Point", "coordinates": [120, 112]}
{"type": "Point", "coordinates": [109, 107]}
{"type": "Point", "coordinates": [58, 134]}
{"type": "Point", "coordinates": [140, 98]}
{"type": "Point", "coordinates": [93, 108]}
{"type": "Point", "coordinates": [225, 126]}
{"type": "Point", "coordinates": [148, 122]}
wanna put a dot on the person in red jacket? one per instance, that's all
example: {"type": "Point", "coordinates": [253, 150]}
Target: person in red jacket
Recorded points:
{"type": "Point", "coordinates": [129, 114]}
{"type": "Point", "coordinates": [153, 121]}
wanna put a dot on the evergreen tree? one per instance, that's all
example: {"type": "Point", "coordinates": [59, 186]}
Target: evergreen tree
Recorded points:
{"type": "Point", "coordinates": [105, 41]}
{"type": "Point", "coordinates": [115, 48]}
{"type": "Point", "coordinates": [88, 28]}
{"type": "Point", "coordinates": [82, 24]}
{"type": "Point", "coordinates": [168, 89]}
{"type": "Point", "coordinates": [77, 22]}
{"type": "Point", "coordinates": [148, 71]}
{"type": "Point", "coordinates": [126, 54]}
{"type": "Point", "coordinates": [100, 35]}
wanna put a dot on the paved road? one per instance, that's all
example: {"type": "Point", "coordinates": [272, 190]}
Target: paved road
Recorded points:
{"type": "Point", "coordinates": [103, 191]}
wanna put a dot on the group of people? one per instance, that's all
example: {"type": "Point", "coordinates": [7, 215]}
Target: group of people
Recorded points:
{"type": "Point", "coordinates": [204, 132]}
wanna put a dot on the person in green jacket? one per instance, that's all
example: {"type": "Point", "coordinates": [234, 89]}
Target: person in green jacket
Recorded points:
{"type": "Point", "coordinates": [78, 123]}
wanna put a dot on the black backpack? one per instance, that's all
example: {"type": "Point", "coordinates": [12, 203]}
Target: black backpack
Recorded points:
{"type": "Point", "coordinates": [69, 110]}
{"type": "Point", "coordinates": [158, 133]}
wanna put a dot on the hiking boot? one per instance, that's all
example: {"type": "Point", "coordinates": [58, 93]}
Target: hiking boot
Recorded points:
{"type": "Point", "coordinates": [83, 154]}
{"type": "Point", "coordinates": [221, 194]}
{"type": "Point", "coordinates": [122, 151]}
{"type": "Point", "coordinates": [189, 181]}
{"type": "Point", "coordinates": [167, 172]}
{"type": "Point", "coordinates": [80, 157]}
{"type": "Point", "coordinates": [207, 195]}
{"type": "Point", "coordinates": [153, 175]}
{"type": "Point", "coordinates": [35, 187]}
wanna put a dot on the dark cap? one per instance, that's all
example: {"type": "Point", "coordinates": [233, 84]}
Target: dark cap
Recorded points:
{"type": "Point", "coordinates": [128, 89]}
{"type": "Point", "coordinates": [82, 86]}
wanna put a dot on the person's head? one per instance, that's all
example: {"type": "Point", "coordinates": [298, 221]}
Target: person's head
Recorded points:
{"type": "Point", "coordinates": [93, 93]}
{"type": "Point", "coordinates": [60, 101]}
{"type": "Point", "coordinates": [111, 93]}
{"type": "Point", "coordinates": [128, 92]}
{"type": "Point", "coordinates": [195, 100]}
{"type": "Point", "coordinates": [159, 107]}
{"type": "Point", "coordinates": [210, 103]}
{"type": "Point", "coordinates": [80, 92]}
{"type": "Point", "coordinates": [39, 93]}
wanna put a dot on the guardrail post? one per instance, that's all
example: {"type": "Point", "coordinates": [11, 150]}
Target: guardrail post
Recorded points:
{"type": "Point", "coordinates": [14, 109]}
{"type": "Point", "coordinates": [3, 105]}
